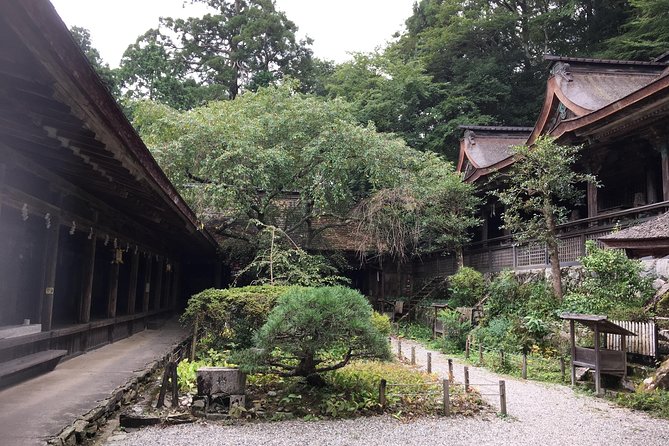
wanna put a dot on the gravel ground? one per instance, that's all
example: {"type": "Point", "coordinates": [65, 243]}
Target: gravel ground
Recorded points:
{"type": "Point", "coordinates": [539, 414]}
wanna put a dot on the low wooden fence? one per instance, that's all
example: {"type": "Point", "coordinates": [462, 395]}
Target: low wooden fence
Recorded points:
{"type": "Point", "coordinates": [644, 343]}
{"type": "Point", "coordinates": [438, 389]}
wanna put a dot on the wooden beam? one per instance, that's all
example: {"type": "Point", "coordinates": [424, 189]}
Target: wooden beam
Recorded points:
{"type": "Point", "coordinates": [87, 280]}
{"type": "Point", "coordinates": [49, 279]}
{"type": "Point", "coordinates": [132, 287]}
{"type": "Point", "coordinates": [147, 283]}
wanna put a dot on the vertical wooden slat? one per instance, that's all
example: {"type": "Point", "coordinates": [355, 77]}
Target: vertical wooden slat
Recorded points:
{"type": "Point", "coordinates": [132, 287]}
{"type": "Point", "coordinates": [87, 280]}
{"type": "Point", "coordinates": [572, 339]}
{"type": "Point", "coordinates": [49, 280]}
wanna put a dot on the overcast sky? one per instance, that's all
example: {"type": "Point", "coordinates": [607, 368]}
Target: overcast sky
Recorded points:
{"type": "Point", "coordinates": [337, 26]}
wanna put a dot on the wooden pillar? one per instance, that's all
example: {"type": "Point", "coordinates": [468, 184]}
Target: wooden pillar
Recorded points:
{"type": "Point", "coordinates": [112, 296]}
{"type": "Point", "coordinates": [176, 285]}
{"type": "Point", "coordinates": [664, 151]}
{"type": "Point", "coordinates": [147, 283]}
{"type": "Point", "coordinates": [158, 295]}
{"type": "Point", "coordinates": [598, 365]}
{"type": "Point", "coordinates": [484, 223]}
{"type": "Point", "coordinates": [572, 340]}
{"type": "Point", "coordinates": [651, 191]}
{"type": "Point", "coordinates": [87, 280]}
{"type": "Point", "coordinates": [168, 287]}
{"type": "Point", "coordinates": [132, 287]}
{"type": "Point", "coordinates": [49, 280]}
{"type": "Point", "coordinates": [591, 193]}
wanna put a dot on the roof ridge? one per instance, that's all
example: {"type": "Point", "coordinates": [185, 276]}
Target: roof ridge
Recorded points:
{"type": "Point", "coordinates": [653, 63]}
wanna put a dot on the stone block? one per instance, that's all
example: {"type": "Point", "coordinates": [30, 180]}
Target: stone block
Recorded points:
{"type": "Point", "coordinates": [220, 380]}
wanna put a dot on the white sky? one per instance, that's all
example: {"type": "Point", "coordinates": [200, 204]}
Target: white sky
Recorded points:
{"type": "Point", "coordinates": [337, 26]}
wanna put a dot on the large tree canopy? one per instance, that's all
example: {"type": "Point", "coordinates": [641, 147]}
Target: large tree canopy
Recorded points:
{"type": "Point", "coordinates": [243, 45]}
{"type": "Point", "coordinates": [280, 158]}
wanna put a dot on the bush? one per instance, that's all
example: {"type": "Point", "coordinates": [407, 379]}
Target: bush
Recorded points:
{"type": "Point", "coordinates": [455, 330]}
{"type": "Point", "coordinates": [467, 287]}
{"type": "Point", "coordinates": [314, 330]}
{"type": "Point", "coordinates": [381, 322]}
{"type": "Point", "coordinates": [613, 285]}
{"type": "Point", "coordinates": [231, 317]}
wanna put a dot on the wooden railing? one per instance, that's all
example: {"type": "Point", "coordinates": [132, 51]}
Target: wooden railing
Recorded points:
{"type": "Point", "coordinates": [503, 253]}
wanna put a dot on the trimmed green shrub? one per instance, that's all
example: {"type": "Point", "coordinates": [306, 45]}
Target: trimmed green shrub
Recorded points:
{"type": "Point", "coordinates": [381, 322]}
{"type": "Point", "coordinates": [231, 317]}
{"type": "Point", "coordinates": [314, 330]}
{"type": "Point", "coordinates": [466, 287]}
{"type": "Point", "coordinates": [455, 330]}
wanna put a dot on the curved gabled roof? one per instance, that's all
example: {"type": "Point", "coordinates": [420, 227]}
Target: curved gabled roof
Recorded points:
{"type": "Point", "coordinates": [578, 87]}
{"type": "Point", "coordinates": [483, 148]}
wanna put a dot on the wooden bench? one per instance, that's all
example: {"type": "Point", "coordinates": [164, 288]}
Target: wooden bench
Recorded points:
{"type": "Point", "coordinates": [41, 361]}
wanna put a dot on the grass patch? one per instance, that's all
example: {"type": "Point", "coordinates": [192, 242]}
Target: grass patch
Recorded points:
{"type": "Point", "coordinates": [655, 402]}
{"type": "Point", "coordinates": [354, 391]}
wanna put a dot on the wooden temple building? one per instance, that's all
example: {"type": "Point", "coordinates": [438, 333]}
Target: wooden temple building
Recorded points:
{"type": "Point", "coordinates": [95, 242]}
{"type": "Point", "coordinates": [619, 112]}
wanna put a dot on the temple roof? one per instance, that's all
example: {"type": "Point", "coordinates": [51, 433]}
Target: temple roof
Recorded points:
{"type": "Point", "coordinates": [657, 228]}
{"type": "Point", "coordinates": [483, 148]}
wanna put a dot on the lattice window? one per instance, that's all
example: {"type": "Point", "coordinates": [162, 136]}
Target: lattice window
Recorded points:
{"type": "Point", "coordinates": [533, 254]}
{"type": "Point", "coordinates": [570, 249]}
{"type": "Point", "coordinates": [501, 258]}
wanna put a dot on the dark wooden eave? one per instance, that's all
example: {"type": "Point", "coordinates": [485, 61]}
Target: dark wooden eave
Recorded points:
{"type": "Point", "coordinates": [57, 115]}
{"type": "Point", "coordinates": [592, 320]}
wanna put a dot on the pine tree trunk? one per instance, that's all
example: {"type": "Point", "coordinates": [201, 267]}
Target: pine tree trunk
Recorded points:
{"type": "Point", "coordinates": [553, 253]}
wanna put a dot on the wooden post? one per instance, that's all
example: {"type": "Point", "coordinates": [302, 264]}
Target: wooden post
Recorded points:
{"type": "Point", "coordinates": [501, 358]}
{"type": "Point", "coordinates": [399, 349]}
{"type": "Point", "coordinates": [434, 324]}
{"type": "Point", "coordinates": [49, 280]}
{"type": "Point", "coordinates": [382, 393]}
{"type": "Point", "coordinates": [447, 398]}
{"type": "Point", "coordinates": [466, 379]}
{"type": "Point", "coordinates": [598, 365]}
{"type": "Point", "coordinates": [664, 151]}
{"type": "Point", "coordinates": [87, 280]}
{"type": "Point", "coordinates": [194, 339]}
{"type": "Point", "coordinates": [502, 398]}
{"type": "Point", "coordinates": [591, 192]}
{"type": "Point", "coordinates": [467, 345]}
{"type": "Point", "coordinates": [524, 366]}
{"type": "Point", "coordinates": [158, 295]}
{"type": "Point", "coordinates": [480, 352]}
{"type": "Point", "coordinates": [429, 362]}
{"type": "Point", "coordinates": [132, 287]}
{"type": "Point", "coordinates": [572, 339]}
{"type": "Point", "coordinates": [562, 367]}
{"type": "Point", "coordinates": [413, 355]}
{"type": "Point", "coordinates": [176, 285]}
{"type": "Point", "coordinates": [623, 347]}
{"type": "Point", "coordinates": [450, 369]}
{"type": "Point", "coordinates": [112, 295]}
{"type": "Point", "coordinates": [175, 386]}
{"type": "Point", "coordinates": [147, 283]}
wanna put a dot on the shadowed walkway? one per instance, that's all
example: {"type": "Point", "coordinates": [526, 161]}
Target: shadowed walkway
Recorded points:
{"type": "Point", "coordinates": [37, 409]}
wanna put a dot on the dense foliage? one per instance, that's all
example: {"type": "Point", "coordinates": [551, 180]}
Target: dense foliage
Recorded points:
{"type": "Point", "coordinates": [613, 286]}
{"type": "Point", "coordinates": [538, 191]}
{"type": "Point", "coordinates": [466, 287]}
{"type": "Point", "coordinates": [315, 330]}
{"type": "Point", "coordinates": [231, 317]}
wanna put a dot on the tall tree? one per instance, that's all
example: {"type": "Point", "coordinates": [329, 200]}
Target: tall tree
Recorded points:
{"type": "Point", "coordinates": [538, 191]}
{"type": "Point", "coordinates": [646, 34]}
{"type": "Point", "coordinates": [488, 54]}
{"type": "Point", "coordinates": [83, 38]}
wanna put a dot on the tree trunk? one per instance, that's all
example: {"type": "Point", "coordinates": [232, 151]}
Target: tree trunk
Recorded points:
{"type": "Point", "coordinates": [459, 258]}
{"type": "Point", "coordinates": [553, 253]}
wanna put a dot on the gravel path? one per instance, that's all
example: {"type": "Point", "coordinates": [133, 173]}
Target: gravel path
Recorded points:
{"type": "Point", "coordinates": [540, 414]}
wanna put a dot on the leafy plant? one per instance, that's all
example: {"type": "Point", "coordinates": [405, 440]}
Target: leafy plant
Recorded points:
{"type": "Point", "coordinates": [467, 287]}
{"type": "Point", "coordinates": [315, 330]}
{"type": "Point", "coordinates": [613, 285]}
{"type": "Point", "coordinates": [455, 330]}
{"type": "Point", "coordinates": [381, 322]}
{"type": "Point", "coordinates": [231, 317]}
